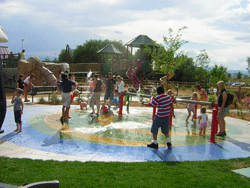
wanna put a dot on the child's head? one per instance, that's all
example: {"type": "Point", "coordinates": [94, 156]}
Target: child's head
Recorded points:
{"type": "Point", "coordinates": [160, 90]}
{"type": "Point", "coordinates": [21, 76]}
{"type": "Point", "coordinates": [32, 76]}
{"type": "Point", "coordinates": [195, 95]}
{"type": "Point", "coordinates": [64, 76]}
{"type": "Point", "coordinates": [203, 109]}
{"type": "Point", "coordinates": [76, 93]}
{"type": "Point", "coordinates": [247, 95]}
{"type": "Point", "coordinates": [18, 91]}
{"type": "Point", "coordinates": [103, 104]}
{"type": "Point", "coordinates": [170, 92]}
{"type": "Point", "coordinates": [119, 78]}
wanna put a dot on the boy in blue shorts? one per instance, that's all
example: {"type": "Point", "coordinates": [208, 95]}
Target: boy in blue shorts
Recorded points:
{"type": "Point", "coordinates": [66, 86]}
{"type": "Point", "coordinates": [164, 107]}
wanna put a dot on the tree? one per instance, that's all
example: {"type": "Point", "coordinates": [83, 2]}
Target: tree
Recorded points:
{"type": "Point", "coordinates": [62, 56]}
{"type": "Point", "coordinates": [248, 68]}
{"type": "Point", "coordinates": [185, 70]}
{"type": "Point", "coordinates": [239, 75]}
{"type": "Point", "coordinates": [165, 56]}
{"type": "Point", "coordinates": [202, 62]}
{"type": "Point", "coordinates": [218, 73]}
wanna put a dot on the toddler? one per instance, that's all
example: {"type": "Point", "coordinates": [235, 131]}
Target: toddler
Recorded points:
{"type": "Point", "coordinates": [83, 105]}
{"type": "Point", "coordinates": [247, 100]}
{"type": "Point", "coordinates": [104, 109]}
{"type": "Point", "coordinates": [190, 107]}
{"type": "Point", "coordinates": [116, 100]}
{"type": "Point", "coordinates": [18, 109]}
{"type": "Point", "coordinates": [203, 120]}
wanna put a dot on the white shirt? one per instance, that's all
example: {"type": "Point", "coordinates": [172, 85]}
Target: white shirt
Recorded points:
{"type": "Point", "coordinates": [203, 118]}
{"type": "Point", "coordinates": [27, 80]}
{"type": "Point", "coordinates": [120, 87]}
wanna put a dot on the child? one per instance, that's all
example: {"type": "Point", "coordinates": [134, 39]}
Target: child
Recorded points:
{"type": "Point", "coordinates": [83, 105]}
{"type": "Point", "coordinates": [116, 99]}
{"type": "Point", "coordinates": [66, 86]}
{"type": "Point", "coordinates": [74, 94]}
{"type": "Point", "coordinates": [104, 109]}
{"type": "Point", "coordinates": [191, 108]}
{"type": "Point", "coordinates": [165, 106]}
{"type": "Point", "coordinates": [18, 109]}
{"type": "Point", "coordinates": [27, 83]}
{"type": "Point", "coordinates": [203, 120]}
{"type": "Point", "coordinates": [247, 100]}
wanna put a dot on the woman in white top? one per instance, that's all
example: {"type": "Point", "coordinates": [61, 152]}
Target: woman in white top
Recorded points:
{"type": "Point", "coordinates": [27, 83]}
{"type": "Point", "coordinates": [120, 86]}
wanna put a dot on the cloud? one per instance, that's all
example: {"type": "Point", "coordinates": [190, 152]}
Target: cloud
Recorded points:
{"type": "Point", "coordinates": [221, 27]}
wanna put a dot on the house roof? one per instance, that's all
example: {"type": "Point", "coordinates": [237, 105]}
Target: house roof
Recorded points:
{"type": "Point", "coordinates": [110, 48]}
{"type": "Point", "coordinates": [4, 50]}
{"type": "Point", "coordinates": [140, 41]}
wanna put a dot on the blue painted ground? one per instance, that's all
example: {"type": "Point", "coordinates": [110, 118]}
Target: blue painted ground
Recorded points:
{"type": "Point", "coordinates": [32, 138]}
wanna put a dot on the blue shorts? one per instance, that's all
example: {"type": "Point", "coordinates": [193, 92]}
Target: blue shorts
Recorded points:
{"type": "Point", "coordinates": [163, 123]}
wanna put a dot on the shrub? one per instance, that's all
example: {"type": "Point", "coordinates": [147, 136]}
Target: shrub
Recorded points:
{"type": "Point", "coordinates": [54, 99]}
{"type": "Point", "coordinates": [211, 98]}
{"type": "Point", "coordinates": [41, 100]}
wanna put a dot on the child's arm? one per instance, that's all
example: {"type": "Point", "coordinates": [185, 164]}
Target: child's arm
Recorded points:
{"type": "Point", "coordinates": [13, 99]}
{"type": "Point", "coordinates": [172, 109]}
{"type": "Point", "coordinates": [21, 101]}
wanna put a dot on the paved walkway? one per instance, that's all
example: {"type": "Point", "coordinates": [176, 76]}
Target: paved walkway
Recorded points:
{"type": "Point", "coordinates": [106, 138]}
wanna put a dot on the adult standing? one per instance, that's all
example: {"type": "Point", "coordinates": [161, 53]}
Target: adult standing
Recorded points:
{"type": "Point", "coordinates": [223, 108]}
{"type": "Point", "coordinates": [22, 55]}
{"type": "Point", "coordinates": [109, 88]}
{"type": "Point", "coordinates": [95, 98]}
{"type": "Point", "coordinates": [120, 86]}
{"type": "Point", "coordinates": [27, 84]}
{"type": "Point", "coordinates": [202, 92]}
{"type": "Point", "coordinates": [66, 86]}
{"type": "Point", "coordinates": [20, 82]}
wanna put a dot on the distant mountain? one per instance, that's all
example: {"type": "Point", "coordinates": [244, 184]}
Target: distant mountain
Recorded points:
{"type": "Point", "coordinates": [237, 71]}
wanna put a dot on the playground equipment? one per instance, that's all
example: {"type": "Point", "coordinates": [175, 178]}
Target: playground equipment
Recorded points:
{"type": "Point", "coordinates": [50, 71]}
{"type": "Point", "coordinates": [165, 83]}
{"type": "Point", "coordinates": [135, 75]}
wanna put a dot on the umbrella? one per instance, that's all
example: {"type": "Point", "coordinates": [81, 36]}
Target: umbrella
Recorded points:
{"type": "Point", "coordinates": [3, 36]}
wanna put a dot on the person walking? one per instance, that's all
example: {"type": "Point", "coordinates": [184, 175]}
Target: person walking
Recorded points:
{"type": "Point", "coordinates": [164, 107]}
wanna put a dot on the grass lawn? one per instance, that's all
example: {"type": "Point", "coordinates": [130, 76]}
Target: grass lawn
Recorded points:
{"type": "Point", "coordinates": [114, 174]}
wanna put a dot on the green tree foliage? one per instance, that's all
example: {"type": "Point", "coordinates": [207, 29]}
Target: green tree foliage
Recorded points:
{"type": "Point", "coordinates": [239, 75]}
{"type": "Point", "coordinates": [218, 73]}
{"type": "Point", "coordinates": [165, 56]}
{"type": "Point", "coordinates": [185, 70]}
{"type": "Point", "coordinates": [62, 56]}
{"type": "Point", "coordinates": [202, 62]}
{"type": "Point", "coordinates": [248, 68]}
{"type": "Point", "coordinates": [87, 53]}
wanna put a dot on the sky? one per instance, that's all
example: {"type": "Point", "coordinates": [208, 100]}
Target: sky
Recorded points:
{"type": "Point", "coordinates": [221, 27]}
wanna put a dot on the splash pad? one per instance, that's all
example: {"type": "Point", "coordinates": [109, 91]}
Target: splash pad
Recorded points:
{"type": "Point", "coordinates": [107, 138]}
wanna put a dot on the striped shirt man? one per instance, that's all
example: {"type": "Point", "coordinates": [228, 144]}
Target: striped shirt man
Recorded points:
{"type": "Point", "coordinates": [163, 103]}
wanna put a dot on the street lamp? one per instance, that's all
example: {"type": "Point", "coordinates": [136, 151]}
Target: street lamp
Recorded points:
{"type": "Point", "coordinates": [22, 44]}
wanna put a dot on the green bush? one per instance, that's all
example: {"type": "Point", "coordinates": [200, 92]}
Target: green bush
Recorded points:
{"type": "Point", "coordinates": [41, 100]}
{"type": "Point", "coordinates": [54, 99]}
{"type": "Point", "coordinates": [212, 98]}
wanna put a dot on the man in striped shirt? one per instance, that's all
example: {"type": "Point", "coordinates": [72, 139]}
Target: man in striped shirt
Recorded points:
{"type": "Point", "coordinates": [165, 106]}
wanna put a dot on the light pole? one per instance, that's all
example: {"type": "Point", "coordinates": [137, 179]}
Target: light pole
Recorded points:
{"type": "Point", "coordinates": [22, 44]}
